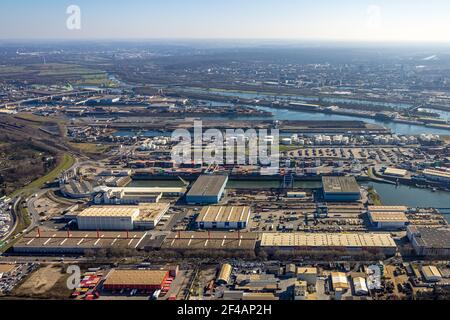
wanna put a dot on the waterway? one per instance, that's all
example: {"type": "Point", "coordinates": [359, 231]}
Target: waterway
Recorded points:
{"type": "Point", "coordinates": [390, 194]}
{"type": "Point", "coordinates": [282, 114]}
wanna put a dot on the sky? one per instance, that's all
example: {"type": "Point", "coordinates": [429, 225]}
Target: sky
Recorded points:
{"type": "Point", "coordinates": [341, 20]}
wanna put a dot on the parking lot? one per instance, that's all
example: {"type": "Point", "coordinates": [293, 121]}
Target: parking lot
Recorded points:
{"type": "Point", "coordinates": [12, 275]}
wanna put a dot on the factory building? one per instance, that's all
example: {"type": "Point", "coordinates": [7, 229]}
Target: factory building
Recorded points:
{"type": "Point", "coordinates": [388, 220]}
{"type": "Point", "coordinates": [437, 175]}
{"type": "Point", "coordinates": [134, 196]}
{"type": "Point", "coordinates": [148, 280]}
{"type": "Point", "coordinates": [78, 242]}
{"type": "Point", "coordinates": [430, 242]}
{"type": "Point", "coordinates": [211, 241]}
{"type": "Point", "coordinates": [394, 172]}
{"type": "Point", "coordinates": [341, 189]}
{"type": "Point", "coordinates": [339, 281]}
{"type": "Point", "coordinates": [387, 209]}
{"type": "Point", "coordinates": [221, 217]}
{"type": "Point", "coordinates": [346, 242]}
{"type": "Point", "coordinates": [307, 274]}
{"type": "Point", "coordinates": [145, 216]}
{"type": "Point", "coordinates": [431, 274]}
{"type": "Point", "coordinates": [360, 286]}
{"type": "Point", "coordinates": [208, 189]}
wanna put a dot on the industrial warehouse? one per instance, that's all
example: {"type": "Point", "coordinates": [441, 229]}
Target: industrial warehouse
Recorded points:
{"type": "Point", "coordinates": [208, 189]}
{"type": "Point", "coordinates": [234, 241]}
{"type": "Point", "coordinates": [144, 216]}
{"type": "Point", "coordinates": [134, 196]}
{"type": "Point", "coordinates": [78, 242]}
{"type": "Point", "coordinates": [220, 217]}
{"type": "Point", "coordinates": [147, 280]}
{"type": "Point", "coordinates": [388, 218]}
{"type": "Point", "coordinates": [340, 189]}
{"type": "Point", "coordinates": [349, 243]}
{"type": "Point", "coordinates": [430, 242]}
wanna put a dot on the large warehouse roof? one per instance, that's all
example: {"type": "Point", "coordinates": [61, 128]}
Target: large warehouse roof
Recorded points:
{"type": "Point", "coordinates": [118, 277]}
{"type": "Point", "coordinates": [388, 217]}
{"type": "Point", "coordinates": [47, 241]}
{"type": "Point", "coordinates": [151, 211]}
{"type": "Point", "coordinates": [211, 240]}
{"type": "Point", "coordinates": [149, 190]}
{"type": "Point", "coordinates": [340, 185]}
{"type": "Point", "coordinates": [387, 208]}
{"type": "Point", "coordinates": [327, 240]}
{"type": "Point", "coordinates": [224, 214]}
{"type": "Point", "coordinates": [110, 211]}
{"type": "Point", "coordinates": [431, 237]}
{"type": "Point", "coordinates": [208, 185]}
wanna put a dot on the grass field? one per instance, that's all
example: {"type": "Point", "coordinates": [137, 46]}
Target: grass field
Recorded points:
{"type": "Point", "coordinates": [65, 164]}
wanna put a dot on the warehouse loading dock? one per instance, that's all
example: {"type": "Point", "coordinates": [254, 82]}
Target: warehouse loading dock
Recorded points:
{"type": "Point", "coordinates": [78, 242]}
{"type": "Point", "coordinates": [211, 241]}
{"type": "Point", "coordinates": [348, 242]}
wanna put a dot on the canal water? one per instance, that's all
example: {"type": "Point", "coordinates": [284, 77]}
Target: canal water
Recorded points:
{"type": "Point", "coordinates": [390, 194]}
{"type": "Point", "coordinates": [282, 114]}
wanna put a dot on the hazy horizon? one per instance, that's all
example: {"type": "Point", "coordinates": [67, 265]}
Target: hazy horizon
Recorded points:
{"type": "Point", "coordinates": [386, 21]}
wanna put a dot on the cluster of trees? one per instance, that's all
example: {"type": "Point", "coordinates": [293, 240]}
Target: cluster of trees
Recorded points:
{"type": "Point", "coordinates": [22, 162]}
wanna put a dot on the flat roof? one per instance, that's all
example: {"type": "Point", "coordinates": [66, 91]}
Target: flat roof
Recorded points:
{"type": "Point", "coordinates": [388, 216]}
{"type": "Point", "coordinates": [431, 237]}
{"type": "Point", "coordinates": [339, 280]}
{"type": "Point", "coordinates": [395, 171]}
{"type": "Point", "coordinates": [211, 240]}
{"type": "Point", "coordinates": [431, 271]}
{"type": "Point", "coordinates": [437, 173]}
{"type": "Point", "coordinates": [340, 185]}
{"type": "Point", "coordinates": [375, 240]}
{"type": "Point", "coordinates": [110, 211]}
{"type": "Point", "coordinates": [142, 190]}
{"type": "Point", "coordinates": [119, 277]}
{"type": "Point", "coordinates": [388, 208]}
{"type": "Point", "coordinates": [48, 240]}
{"type": "Point", "coordinates": [224, 214]}
{"type": "Point", "coordinates": [208, 185]}
{"type": "Point", "coordinates": [307, 270]}
{"type": "Point", "coordinates": [152, 211]}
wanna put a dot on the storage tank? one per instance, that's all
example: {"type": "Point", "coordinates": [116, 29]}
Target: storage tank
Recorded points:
{"type": "Point", "coordinates": [225, 274]}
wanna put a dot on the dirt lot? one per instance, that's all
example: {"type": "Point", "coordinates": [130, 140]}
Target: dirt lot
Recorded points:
{"type": "Point", "coordinates": [47, 282]}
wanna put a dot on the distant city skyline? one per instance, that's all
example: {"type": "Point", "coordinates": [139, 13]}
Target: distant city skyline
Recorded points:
{"type": "Point", "coordinates": [345, 20]}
